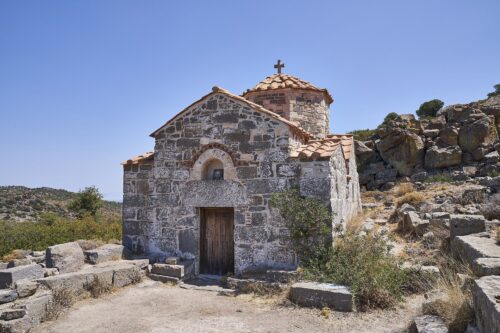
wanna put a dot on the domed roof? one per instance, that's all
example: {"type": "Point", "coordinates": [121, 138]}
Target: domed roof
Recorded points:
{"type": "Point", "coordinates": [283, 81]}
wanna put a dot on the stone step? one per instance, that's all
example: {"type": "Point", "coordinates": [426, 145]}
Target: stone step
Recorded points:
{"type": "Point", "coordinates": [182, 270]}
{"type": "Point", "coordinates": [163, 278]}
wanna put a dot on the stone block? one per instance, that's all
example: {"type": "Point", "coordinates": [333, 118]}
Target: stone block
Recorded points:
{"type": "Point", "coordinates": [7, 295]}
{"type": "Point", "coordinates": [461, 225]}
{"type": "Point", "coordinates": [141, 263]}
{"type": "Point", "coordinates": [107, 252]}
{"type": "Point", "coordinates": [21, 325]}
{"type": "Point", "coordinates": [67, 257]}
{"type": "Point", "coordinates": [172, 260]}
{"type": "Point", "coordinates": [26, 287]}
{"type": "Point", "coordinates": [10, 276]}
{"type": "Point", "coordinates": [163, 278]}
{"type": "Point", "coordinates": [485, 292]}
{"type": "Point", "coordinates": [428, 324]}
{"type": "Point", "coordinates": [11, 314]}
{"type": "Point", "coordinates": [125, 275]}
{"type": "Point", "coordinates": [36, 306]}
{"type": "Point", "coordinates": [472, 247]}
{"type": "Point", "coordinates": [313, 294]}
{"type": "Point", "coordinates": [486, 266]}
{"type": "Point", "coordinates": [176, 271]}
{"type": "Point", "coordinates": [411, 222]}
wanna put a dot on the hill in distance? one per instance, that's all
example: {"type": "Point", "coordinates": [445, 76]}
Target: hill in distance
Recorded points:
{"type": "Point", "coordinates": [20, 203]}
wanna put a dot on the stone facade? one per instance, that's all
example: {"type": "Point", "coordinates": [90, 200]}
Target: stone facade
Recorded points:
{"type": "Point", "coordinates": [164, 191]}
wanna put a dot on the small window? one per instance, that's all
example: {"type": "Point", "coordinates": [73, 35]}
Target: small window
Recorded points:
{"type": "Point", "coordinates": [213, 170]}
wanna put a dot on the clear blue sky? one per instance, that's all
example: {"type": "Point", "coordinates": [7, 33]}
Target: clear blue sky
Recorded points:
{"type": "Point", "coordinates": [83, 83]}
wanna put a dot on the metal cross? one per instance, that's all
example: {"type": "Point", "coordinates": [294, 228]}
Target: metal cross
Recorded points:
{"type": "Point", "coordinates": [279, 66]}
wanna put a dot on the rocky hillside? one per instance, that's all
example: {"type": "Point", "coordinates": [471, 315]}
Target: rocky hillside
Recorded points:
{"type": "Point", "coordinates": [21, 203]}
{"type": "Point", "coordinates": [459, 143]}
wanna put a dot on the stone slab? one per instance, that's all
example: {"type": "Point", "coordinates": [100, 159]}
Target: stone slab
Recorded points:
{"type": "Point", "coordinates": [428, 324]}
{"type": "Point", "coordinates": [176, 271]}
{"type": "Point", "coordinates": [67, 257]}
{"type": "Point", "coordinates": [472, 247]}
{"type": "Point", "coordinates": [107, 252]}
{"type": "Point", "coordinates": [164, 278]}
{"type": "Point", "coordinates": [26, 287]}
{"type": "Point", "coordinates": [314, 294]}
{"type": "Point", "coordinates": [21, 325]}
{"type": "Point", "coordinates": [485, 294]}
{"type": "Point", "coordinates": [486, 266]}
{"type": "Point", "coordinates": [10, 276]}
{"type": "Point", "coordinates": [7, 295]}
{"type": "Point", "coordinates": [11, 314]}
{"type": "Point", "coordinates": [461, 225]}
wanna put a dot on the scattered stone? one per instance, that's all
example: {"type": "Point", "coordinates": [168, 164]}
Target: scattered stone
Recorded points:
{"type": "Point", "coordinates": [428, 324]}
{"type": "Point", "coordinates": [26, 287]}
{"type": "Point", "coordinates": [429, 240]}
{"type": "Point", "coordinates": [38, 254]}
{"type": "Point", "coordinates": [411, 222]}
{"type": "Point", "coordinates": [492, 157]}
{"type": "Point", "coordinates": [7, 295]}
{"type": "Point", "coordinates": [485, 294]}
{"type": "Point", "coordinates": [486, 266]}
{"type": "Point", "coordinates": [11, 314]}
{"type": "Point", "coordinates": [67, 257]}
{"type": "Point", "coordinates": [50, 272]}
{"type": "Point", "coordinates": [461, 225]}
{"type": "Point", "coordinates": [476, 194]}
{"type": "Point", "coordinates": [19, 262]}
{"type": "Point", "coordinates": [21, 325]}
{"type": "Point", "coordinates": [314, 294]}
{"type": "Point", "coordinates": [107, 252]}
{"type": "Point", "coordinates": [10, 276]}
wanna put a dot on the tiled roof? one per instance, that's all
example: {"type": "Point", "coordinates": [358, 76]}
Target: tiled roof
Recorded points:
{"type": "Point", "coordinates": [282, 81]}
{"type": "Point", "coordinates": [324, 148]}
{"type": "Point", "coordinates": [140, 158]}
{"type": "Point", "coordinates": [253, 105]}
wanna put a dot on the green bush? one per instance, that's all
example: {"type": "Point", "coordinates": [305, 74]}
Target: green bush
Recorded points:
{"type": "Point", "coordinates": [439, 178]}
{"type": "Point", "coordinates": [362, 262]}
{"type": "Point", "coordinates": [53, 230]}
{"type": "Point", "coordinates": [362, 135]}
{"type": "Point", "coordinates": [390, 116]}
{"type": "Point", "coordinates": [429, 108]}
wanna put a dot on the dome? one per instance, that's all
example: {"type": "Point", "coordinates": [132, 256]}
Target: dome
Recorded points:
{"type": "Point", "coordinates": [284, 81]}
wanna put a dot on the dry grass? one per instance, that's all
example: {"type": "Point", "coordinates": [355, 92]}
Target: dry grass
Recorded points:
{"type": "Point", "coordinates": [402, 189]}
{"type": "Point", "coordinates": [14, 254]}
{"type": "Point", "coordinates": [411, 198]}
{"type": "Point", "coordinates": [62, 299]}
{"type": "Point", "coordinates": [99, 287]}
{"type": "Point", "coordinates": [326, 312]}
{"type": "Point", "coordinates": [89, 244]}
{"type": "Point", "coordinates": [456, 307]}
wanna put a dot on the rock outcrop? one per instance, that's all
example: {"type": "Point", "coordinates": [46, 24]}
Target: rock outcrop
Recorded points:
{"type": "Point", "coordinates": [461, 139]}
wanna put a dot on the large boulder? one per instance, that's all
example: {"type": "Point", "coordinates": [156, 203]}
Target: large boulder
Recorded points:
{"type": "Point", "coordinates": [364, 154]}
{"type": "Point", "coordinates": [67, 257]}
{"type": "Point", "coordinates": [9, 276]}
{"type": "Point", "coordinates": [448, 136]}
{"type": "Point", "coordinates": [472, 135]}
{"type": "Point", "coordinates": [401, 148]}
{"type": "Point", "coordinates": [436, 157]}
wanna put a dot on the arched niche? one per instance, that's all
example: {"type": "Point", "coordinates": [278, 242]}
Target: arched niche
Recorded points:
{"type": "Point", "coordinates": [211, 160]}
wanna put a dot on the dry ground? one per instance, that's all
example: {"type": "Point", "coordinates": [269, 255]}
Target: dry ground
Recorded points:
{"type": "Point", "coordinates": [154, 307]}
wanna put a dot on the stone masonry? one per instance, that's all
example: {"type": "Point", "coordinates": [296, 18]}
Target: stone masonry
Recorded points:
{"type": "Point", "coordinates": [261, 152]}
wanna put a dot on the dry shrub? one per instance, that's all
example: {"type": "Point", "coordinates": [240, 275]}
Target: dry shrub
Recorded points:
{"type": "Point", "coordinates": [62, 298]}
{"type": "Point", "coordinates": [411, 198]}
{"type": "Point", "coordinates": [402, 189]}
{"type": "Point", "coordinates": [99, 287]}
{"type": "Point", "coordinates": [14, 254]}
{"type": "Point", "coordinates": [89, 244]}
{"type": "Point", "coordinates": [326, 312]}
{"type": "Point", "coordinates": [456, 307]}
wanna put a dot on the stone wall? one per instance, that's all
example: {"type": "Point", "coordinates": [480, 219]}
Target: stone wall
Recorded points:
{"type": "Point", "coordinates": [308, 108]}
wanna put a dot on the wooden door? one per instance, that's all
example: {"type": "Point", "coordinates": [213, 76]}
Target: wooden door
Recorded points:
{"type": "Point", "coordinates": [216, 241]}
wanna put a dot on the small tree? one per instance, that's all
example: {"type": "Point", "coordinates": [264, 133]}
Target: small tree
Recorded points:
{"type": "Point", "coordinates": [496, 92]}
{"type": "Point", "coordinates": [429, 108]}
{"type": "Point", "coordinates": [88, 201]}
{"type": "Point", "coordinates": [308, 220]}
{"type": "Point", "coordinates": [389, 117]}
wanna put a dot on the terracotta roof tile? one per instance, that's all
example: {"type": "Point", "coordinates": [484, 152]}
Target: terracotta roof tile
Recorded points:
{"type": "Point", "coordinates": [325, 148]}
{"type": "Point", "coordinates": [140, 158]}
{"type": "Point", "coordinates": [283, 81]}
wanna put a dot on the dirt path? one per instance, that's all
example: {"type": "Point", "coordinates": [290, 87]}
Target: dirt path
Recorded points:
{"type": "Point", "coordinates": [157, 308]}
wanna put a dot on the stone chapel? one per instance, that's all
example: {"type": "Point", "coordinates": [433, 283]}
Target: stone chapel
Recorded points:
{"type": "Point", "coordinates": [203, 193]}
